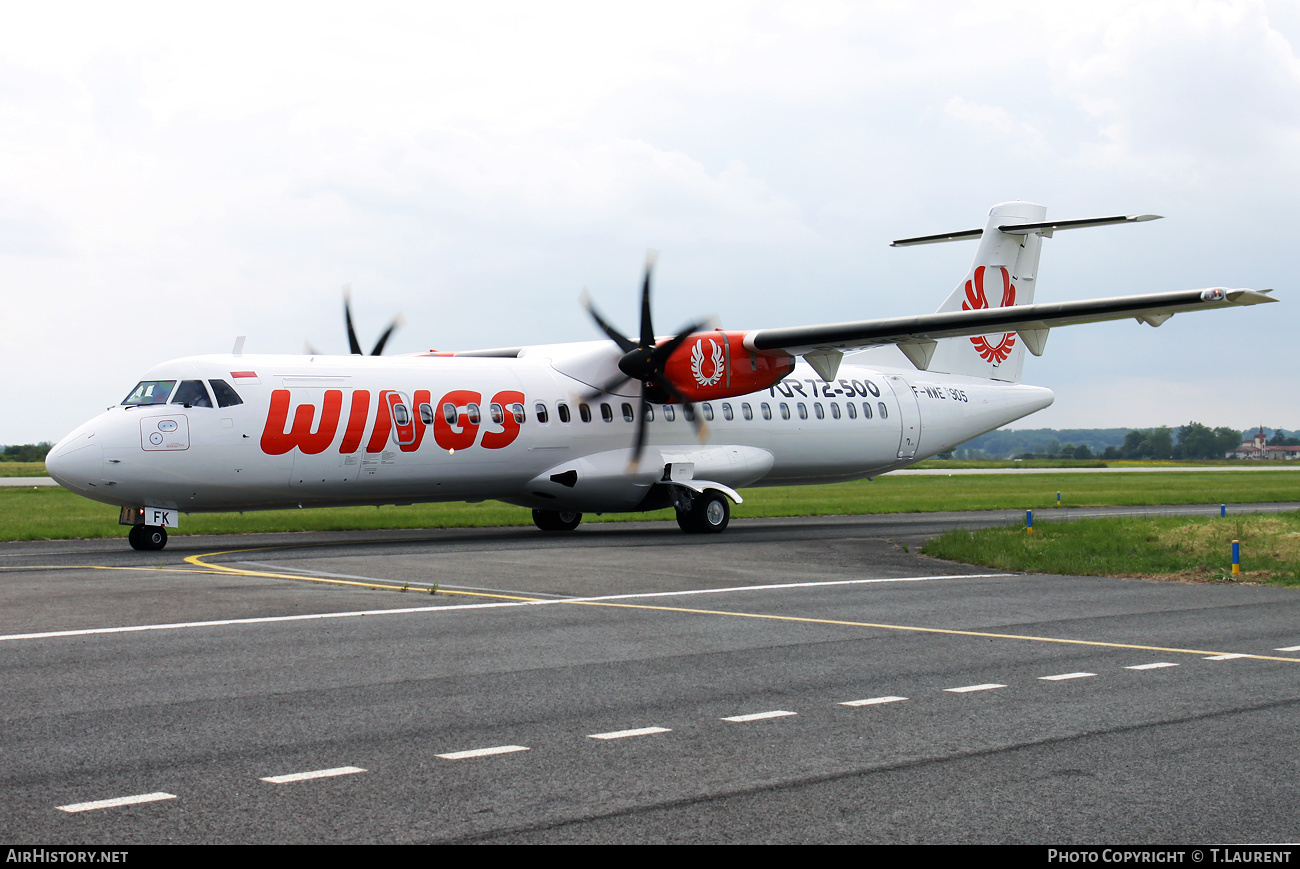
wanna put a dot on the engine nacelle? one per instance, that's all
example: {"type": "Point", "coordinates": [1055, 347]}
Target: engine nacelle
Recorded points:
{"type": "Point", "coordinates": [713, 365]}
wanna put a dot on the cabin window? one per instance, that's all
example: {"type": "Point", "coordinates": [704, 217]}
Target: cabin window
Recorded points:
{"type": "Point", "coordinates": [517, 411]}
{"type": "Point", "coordinates": [803, 410]}
{"type": "Point", "coordinates": [191, 393]}
{"type": "Point", "coordinates": [669, 413]}
{"type": "Point", "coordinates": [817, 410]}
{"type": "Point", "coordinates": [426, 413]}
{"type": "Point", "coordinates": [852, 409]}
{"type": "Point", "coordinates": [584, 411]}
{"type": "Point", "coordinates": [835, 409]}
{"type": "Point", "coordinates": [688, 412]}
{"type": "Point", "coordinates": [746, 411]}
{"type": "Point", "coordinates": [884, 411]}
{"type": "Point", "coordinates": [473, 413]}
{"type": "Point", "coordinates": [649, 413]}
{"type": "Point", "coordinates": [628, 414]}
{"type": "Point", "coordinates": [401, 415]}
{"type": "Point", "coordinates": [726, 411]}
{"type": "Point", "coordinates": [562, 411]}
{"type": "Point", "coordinates": [866, 410]}
{"type": "Point", "coordinates": [606, 412]}
{"type": "Point", "coordinates": [150, 392]}
{"type": "Point", "coordinates": [498, 413]}
{"type": "Point", "coordinates": [539, 410]}
{"type": "Point", "coordinates": [785, 410]}
{"type": "Point", "coordinates": [226, 395]}
{"type": "Point", "coordinates": [708, 412]}
{"type": "Point", "coordinates": [767, 411]}
{"type": "Point", "coordinates": [449, 413]}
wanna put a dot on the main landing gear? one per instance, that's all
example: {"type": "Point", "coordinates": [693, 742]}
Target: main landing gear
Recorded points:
{"type": "Point", "coordinates": [148, 538]}
{"type": "Point", "coordinates": [708, 513]}
{"type": "Point", "coordinates": [556, 520]}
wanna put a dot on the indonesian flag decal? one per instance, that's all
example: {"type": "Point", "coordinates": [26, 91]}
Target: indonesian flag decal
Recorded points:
{"type": "Point", "coordinates": [976, 300]}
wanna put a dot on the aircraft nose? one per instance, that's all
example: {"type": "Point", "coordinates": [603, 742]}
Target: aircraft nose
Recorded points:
{"type": "Point", "coordinates": [76, 463]}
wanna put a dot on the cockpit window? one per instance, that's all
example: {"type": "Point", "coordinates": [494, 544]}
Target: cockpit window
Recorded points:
{"type": "Point", "coordinates": [150, 392]}
{"type": "Point", "coordinates": [192, 394]}
{"type": "Point", "coordinates": [226, 395]}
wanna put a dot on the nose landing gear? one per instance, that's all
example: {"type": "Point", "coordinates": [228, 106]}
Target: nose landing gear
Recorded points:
{"type": "Point", "coordinates": [147, 538]}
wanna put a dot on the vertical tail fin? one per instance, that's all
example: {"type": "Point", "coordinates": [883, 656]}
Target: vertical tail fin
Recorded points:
{"type": "Point", "coordinates": [1003, 274]}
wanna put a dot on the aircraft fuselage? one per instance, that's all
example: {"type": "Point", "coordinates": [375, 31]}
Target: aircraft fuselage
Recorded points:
{"type": "Point", "coordinates": [330, 430]}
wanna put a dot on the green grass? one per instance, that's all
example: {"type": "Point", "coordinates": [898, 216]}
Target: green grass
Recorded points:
{"type": "Point", "coordinates": [23, 469]}
{"type": "Point", "coordinates": [952, 464]}
{"type": "Point", "coordinates": [940, 464]}
{"type": "Point", "coordinates": [1181, 548]}
{"type": "Point", "coordinates": [53, 513]}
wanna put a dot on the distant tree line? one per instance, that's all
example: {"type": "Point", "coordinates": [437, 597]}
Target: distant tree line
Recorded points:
{"type": "Point", "coordinates": [1191, 441]}
{"type": "Point", "coordinates": [1194, 441]}
{"type": "Point", "coordinates": [1009, 443]}
{"type": "Point", "coordinates": [26, 452]}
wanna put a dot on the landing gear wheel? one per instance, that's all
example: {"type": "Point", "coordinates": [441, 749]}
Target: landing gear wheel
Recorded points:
{"type": "Point", "coordinates": [148, 538]}
{"type": "Point", "coordinates": [709, 514]}
{"type": "Point", "coordinates": [556, 520]}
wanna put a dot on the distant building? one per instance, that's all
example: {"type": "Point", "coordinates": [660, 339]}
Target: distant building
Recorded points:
{"type": "Point", "coordinates": [1258, 448]}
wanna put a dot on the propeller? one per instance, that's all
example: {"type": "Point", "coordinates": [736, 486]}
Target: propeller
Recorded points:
{"type": "Point", "coordinates": [353, 344]}
{"type": "Point", "coordinates": [644, 361]}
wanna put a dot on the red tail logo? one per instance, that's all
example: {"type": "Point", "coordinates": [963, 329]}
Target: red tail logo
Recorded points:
{"type": "Point", "coordinates": [976, 300]}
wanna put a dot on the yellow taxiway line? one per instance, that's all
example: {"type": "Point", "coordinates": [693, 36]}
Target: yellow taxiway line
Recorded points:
{"type": "Point", "coordinates": [200, 565]}
{"type": "Point", "coordinates": [198, 561]}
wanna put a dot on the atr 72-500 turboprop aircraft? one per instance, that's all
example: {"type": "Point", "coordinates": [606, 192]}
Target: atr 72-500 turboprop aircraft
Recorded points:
{"type": "Point", "coordinates": [605, 426]}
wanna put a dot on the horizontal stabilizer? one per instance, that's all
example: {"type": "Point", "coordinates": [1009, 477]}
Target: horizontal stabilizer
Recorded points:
{"type": "Point", "coordinates": [1049, 227]}
{"type": "Point", "coordinates": [964, 235]}
{"type": "Point", "coordinates": [1045, 229]}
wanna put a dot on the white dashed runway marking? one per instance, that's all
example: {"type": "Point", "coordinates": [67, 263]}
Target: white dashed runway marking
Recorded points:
{"type": "Point", "coordinates": [759, 716]}
{"type": "Point", "coordinates": [319, 773]}
{"type": "Point", "coordinates": [633, 732]}
{"type": "Point", "coordinates": [623, 734]}
{"type": "Point", "coordinates": [483, 752]}
{"type": "Point", "coordinates": [872, 701]}
{"type": "Point", "coordinates": [116, 801]}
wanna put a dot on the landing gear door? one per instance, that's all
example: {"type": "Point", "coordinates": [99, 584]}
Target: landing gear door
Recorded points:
{"type": "Point", "coordinates": [909, 417]}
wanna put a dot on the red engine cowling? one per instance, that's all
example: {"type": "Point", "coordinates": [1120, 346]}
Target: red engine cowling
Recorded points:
{"type": "Point", "coordinates": [713, 365]}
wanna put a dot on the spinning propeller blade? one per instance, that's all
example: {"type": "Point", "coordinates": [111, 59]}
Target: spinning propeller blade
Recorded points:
{"type": "Point", "coordinates": [645, 362]}
{"type": "Point", "coordinates": [354, 346]}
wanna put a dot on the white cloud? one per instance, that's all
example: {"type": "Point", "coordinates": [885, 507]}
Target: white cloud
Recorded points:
{"type": "Point", "coordinates": [1188, 93]}
{"type": "Point", "coordinates": [178, 175]}
{"type": "Point", "coordinates": [997, 124]}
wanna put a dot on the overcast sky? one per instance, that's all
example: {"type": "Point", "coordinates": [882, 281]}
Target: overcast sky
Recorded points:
{"type": "Point", "coordinates": [174, 178]}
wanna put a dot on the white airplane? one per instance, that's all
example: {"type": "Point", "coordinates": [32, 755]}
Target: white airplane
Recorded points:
{"type": "Point", "coordinates": [602, 426]}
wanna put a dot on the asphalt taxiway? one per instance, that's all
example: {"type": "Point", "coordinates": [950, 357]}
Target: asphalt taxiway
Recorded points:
{"type": "Point", "coordinates": [811, 680]}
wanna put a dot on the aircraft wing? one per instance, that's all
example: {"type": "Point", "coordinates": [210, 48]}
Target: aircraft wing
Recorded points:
{"type": "Point", "coordinates": [916, 336]}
